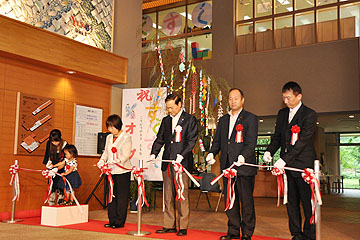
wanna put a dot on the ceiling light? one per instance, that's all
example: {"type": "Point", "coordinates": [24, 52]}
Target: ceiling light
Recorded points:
{"type": "Point", "coordinates": [268, 132]}
{"type": "Point", "coordinates": [290, 9]}
{"type": "Point", "coordinates": [247, 17]}
{"type": "Point", "coordinates": [261, 120]}
{"type": "Point", "coordinates": [351, 116]}
{"type": "Point", "coordinates": [317, 123]}
{"type": "Point", "coordinates": [184, 15]}
{"type": "Point", "coordinates": [70, 72]}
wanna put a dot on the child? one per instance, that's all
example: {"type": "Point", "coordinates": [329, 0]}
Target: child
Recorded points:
{"type": "Point", "coordinates": [70, 172]}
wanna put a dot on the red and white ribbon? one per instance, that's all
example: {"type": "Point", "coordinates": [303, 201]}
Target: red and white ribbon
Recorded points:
{"type": "Point", "coordinates": [282, 184]}
{"type": "Point", "coordinates": [309, 177]}
{"type": "Point", "coordinates": [239, 134]}
{"type": "Point", "coordinates": [106, 169]}
{"type": "Point", "coordinates": [230, 199]}
{"type": "Point", "coordinates": [49, 174]}
{"type": "Point", "coordinates": [138, 173]}
{"type": "Point", "coordinates": [14, 171]}
{"type": "Point", "coordinates": [114, 151]}
{"type": "Point", "coordinates": [201, 145]}
{"type": "Point", "coordinates": [178, 181]}
{"type": "Point", "coordinates": [295, 134]}
{"type": "Point", "coordinates": [178, 130]}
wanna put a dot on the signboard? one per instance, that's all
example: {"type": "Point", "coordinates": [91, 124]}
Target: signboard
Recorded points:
{"type": "Point", "coordinates": [202, 15]}
{"type": "Point", "coordinates": [88, 123]}
{"type": "Point", "coordinates": [35, 121]}
{"type": "Point", "coordinates": [142, 112]}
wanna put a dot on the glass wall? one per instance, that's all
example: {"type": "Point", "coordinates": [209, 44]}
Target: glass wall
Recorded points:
{"type": "Point", "coordinates": [287, 23]}
{"type": "Point", "coordinates": [184, 28]}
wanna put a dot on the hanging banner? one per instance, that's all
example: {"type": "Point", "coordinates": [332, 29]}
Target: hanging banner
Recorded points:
{"type": "Point", "coordinates": [147, 25]}
{"type": "Point", "coordinates": [202, 15]}
{"type": "Point", "coordinates": [142, 112]}
{"type": "Point", "coordinates": [172, 24]}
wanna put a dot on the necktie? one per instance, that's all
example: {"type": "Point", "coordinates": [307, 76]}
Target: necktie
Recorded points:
{"type": "Point", "coordinates": [291, 115]}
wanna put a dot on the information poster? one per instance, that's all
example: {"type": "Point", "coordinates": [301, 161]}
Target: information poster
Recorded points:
{"type": "Point", "coordinates": [142, 112]}
{"type": "Point", "coordinates": [36, 116]}
{"type": "Point", "coordinates": [88, 123]}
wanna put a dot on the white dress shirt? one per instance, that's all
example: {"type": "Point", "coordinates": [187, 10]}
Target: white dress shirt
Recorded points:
{"type": "Point", "coordinates": [233, 121]}
{"type": "Point", "coordinates": [293, 111]}
{"type": "Point", "coordinates": [175, 120]}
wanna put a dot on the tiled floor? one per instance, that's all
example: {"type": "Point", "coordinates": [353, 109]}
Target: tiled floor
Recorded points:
{"type": "Point", "coordinates": [340, 220]}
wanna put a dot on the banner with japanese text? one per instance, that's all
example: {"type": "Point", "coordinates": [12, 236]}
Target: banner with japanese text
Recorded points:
{"type": "Point", "coordinates": [142, 112]}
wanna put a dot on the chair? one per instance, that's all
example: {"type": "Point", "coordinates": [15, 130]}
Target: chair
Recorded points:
{"type": "Point", "coordinates": [206, 187]}
{"type": "Point", "coordinates": [157, 186]}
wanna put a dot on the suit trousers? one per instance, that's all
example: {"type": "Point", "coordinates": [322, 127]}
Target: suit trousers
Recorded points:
{"type": "Point", "coordinates": [299, 190]}
{"type": "Point", "coordinates": [117, 209]}
{"type": "Point", "coordinates": [244, 188]}
{"type": "Point", "coordinates": [183, 206]}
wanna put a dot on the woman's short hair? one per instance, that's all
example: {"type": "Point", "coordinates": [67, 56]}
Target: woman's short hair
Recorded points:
{"type": "Point", "coordinates": [114, 121]}
{"type": "Point", "coordinates": [71, 149]}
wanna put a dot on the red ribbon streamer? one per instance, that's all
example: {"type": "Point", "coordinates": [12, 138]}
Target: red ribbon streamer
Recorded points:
{"type": "Point", "coordinates": [229, 174]}
{"type": "Point", "coordinates": [138, 173]}
{"type": "Point", "coordinates": [309, 177]}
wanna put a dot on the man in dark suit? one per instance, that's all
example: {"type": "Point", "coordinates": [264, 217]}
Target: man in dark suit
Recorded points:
{"type": "Point", "coordinates": [294, 131]}
{"type": "Point", "coordinates": [178, 132]}
{"type": "Point", "coordinates": [236, 137]}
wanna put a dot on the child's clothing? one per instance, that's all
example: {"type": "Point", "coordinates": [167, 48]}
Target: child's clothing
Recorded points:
{"type": "Point", "coordinates": [73, 177]}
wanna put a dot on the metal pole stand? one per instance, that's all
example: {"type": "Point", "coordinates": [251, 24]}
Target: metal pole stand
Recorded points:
{"type": "Point", "coordinates": [12, 220]}
{"type": "Point", "coordinates": [139, 233]}
{"type": "Point", "coordinates": [318, 210]}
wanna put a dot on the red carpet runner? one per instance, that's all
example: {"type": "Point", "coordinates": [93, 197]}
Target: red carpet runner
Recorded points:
{"type": "Point", "coordinates": [98, 226]}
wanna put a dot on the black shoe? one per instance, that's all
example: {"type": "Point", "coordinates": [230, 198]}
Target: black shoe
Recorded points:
{"type": "Point", "coordinates": [245, 237]}
{"type": "Point", "coordinates": [117, 226]}
{"type": "Point", "coordinates": [229, 236]}
{"type": "Point", "coordinates": [107, 225]}
{"type": "Point", "coordinates": [166, 230]}
{"type": "Point", "coordinates": [299, 236]}
{"type": "Point", "coordinates": [182, 232]}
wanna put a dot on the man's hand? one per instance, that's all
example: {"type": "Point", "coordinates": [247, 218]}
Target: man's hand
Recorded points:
{"type": "Point", "coordinates": [179, 158]}
{"type": "Point", "coordinates": [279, 167]}
{"type": "Point", "coordinates": [152, 157]}
{"type": "Point", "coordinates": [210, 159]}
{"type": "Point", "coordinates": [267, 157]}
{"type": "Point", "coordinates": [240, 161]}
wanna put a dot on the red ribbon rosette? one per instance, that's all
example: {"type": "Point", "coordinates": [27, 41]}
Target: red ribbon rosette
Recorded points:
{"type": "Point", "coordinates": [178, 181]}
{"type": "Point", "coordinates": [14, 171]}
{"type": "Point", "coordinates": [281, 183]}
{"type": "Point", "coordinates": [230, 199]}
{"type": "Point", "coordinates": [106, 169]}
{"type": "Point", "coordinates": [239, 136]}
{"type": "Point", "coordinates": [295, 134]}
{"type": "Point", "coordinates": [114, 151]}
{"type": "Point", "coordinates": [138, 173]}
{"type": "Point", "coordinates": [309, 177]}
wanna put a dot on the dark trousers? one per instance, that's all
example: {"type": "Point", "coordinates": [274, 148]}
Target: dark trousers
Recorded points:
{"type": "Point", "coordinates": [244, 188]}
{"type": "Point", "coordinates": [117, 209]}
{"type": "Point", "coordinates": [299, 190]}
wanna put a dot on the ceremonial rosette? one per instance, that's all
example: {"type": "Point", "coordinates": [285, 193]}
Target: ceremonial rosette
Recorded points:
{"type": "Point", "coordinates": [295, 134]}
{"type": "Point", "coordinates": [239, 133]}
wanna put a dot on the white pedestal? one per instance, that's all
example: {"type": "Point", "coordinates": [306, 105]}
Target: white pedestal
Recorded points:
{"type": "Point", "coordinates": [64, 215]}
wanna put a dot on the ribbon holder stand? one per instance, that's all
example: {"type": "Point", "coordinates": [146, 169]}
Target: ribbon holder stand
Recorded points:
{"type": "Point", "coordinates": [318, 210]}
{"type": "Point", "coordinates": [13, 220]}
{"type": "Point", "coordinates": [139, 233]}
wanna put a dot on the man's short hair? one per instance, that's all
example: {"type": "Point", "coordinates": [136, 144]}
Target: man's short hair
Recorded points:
{"type": "Point", "coordinates": [173, 97]}
{"type": "Point", "coordinates": [294, 86]}
{"type": "Point", "coordinates": [237, 89]}
{"type": "Point", "coordinates": [114, 121]}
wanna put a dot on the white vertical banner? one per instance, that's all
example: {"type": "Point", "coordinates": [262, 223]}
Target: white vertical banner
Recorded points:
{"type": "Point", "coordinates": [142, 112]}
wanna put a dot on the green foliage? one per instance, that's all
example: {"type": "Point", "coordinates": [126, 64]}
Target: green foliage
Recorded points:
{"type": "Point", "coordinates": [350, 159]}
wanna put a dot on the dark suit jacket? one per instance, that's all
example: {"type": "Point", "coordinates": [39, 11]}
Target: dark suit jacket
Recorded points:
{"type": "Point", "coordinates": [302, 154]}
{"type": "Point", "coordinates": [230, 150]}
{"type": "Point", "coordinates": [165, 136]}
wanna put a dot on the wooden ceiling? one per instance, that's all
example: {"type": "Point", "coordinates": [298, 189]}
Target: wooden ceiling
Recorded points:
{"type": "Point", "coordinates": [147, 4]}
